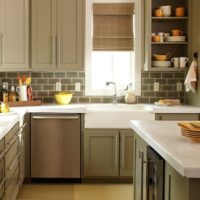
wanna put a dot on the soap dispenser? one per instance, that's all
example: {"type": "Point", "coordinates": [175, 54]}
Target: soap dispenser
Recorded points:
{"type": "Point", "coordinates": [130, 95]}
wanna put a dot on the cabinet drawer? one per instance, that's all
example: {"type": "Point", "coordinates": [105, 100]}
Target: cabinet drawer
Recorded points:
{"type": "Point", "coordinates": [11, 160]}
{"type": "Point", "coordinates": [11, 135]}
{"type": "Point", "coordinates": [1, 147]}
{"type": "Point", "coordinates": [2, 178]}
{"type": "Point", "coordinates": [13, 185]}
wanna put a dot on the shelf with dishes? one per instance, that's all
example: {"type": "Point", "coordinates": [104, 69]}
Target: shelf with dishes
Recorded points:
{"type": "Point", "coordinates": [167, 32]}
{"type": "Point", "coordinates": [170, 18]}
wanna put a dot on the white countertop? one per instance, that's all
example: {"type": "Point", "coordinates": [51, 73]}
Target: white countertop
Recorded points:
{"type": "Point", "coordinates": [98, 115]}
{"type": "Point", "coordinates": [176, 109]}
{"type": "Point", "coordinates": [165, 138]}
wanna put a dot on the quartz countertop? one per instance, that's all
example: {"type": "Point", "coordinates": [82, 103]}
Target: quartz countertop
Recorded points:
{"type": "Point", "coordinates": [97, 114]}
{"type": "Point", "coordinates": [165, 138]}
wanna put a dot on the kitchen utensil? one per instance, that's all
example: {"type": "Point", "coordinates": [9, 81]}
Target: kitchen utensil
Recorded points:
{"type": "Point", "coordinates": [22, 91]}
{"type": "Point", "coordinates": [177, 32]}
{"type": "Point", "coordinates": [175, 62]}
{"type": "Point", "coordinates": [158, 12]}
{"type": "Point", "coordinates": [167, 10]}
{"type": "Point", "coordinates": [180, 12]}
{"type": "Point", "coordinates": [183, 62]}
{"type": "Point", "coordinates": [161, 64]}
{"type": "Point", "coordinates": [63, 98]}
{"type": "Point", "coordinates": [162, 57]}
{"type": "Point", "coordinates": [28, 80]}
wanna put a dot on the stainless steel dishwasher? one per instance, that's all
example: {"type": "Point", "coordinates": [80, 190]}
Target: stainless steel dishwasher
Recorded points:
{"type": "Point", "coordinates": [55, 145]}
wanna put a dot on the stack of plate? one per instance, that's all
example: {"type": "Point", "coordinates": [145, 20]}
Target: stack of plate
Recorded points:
{"type": "Point", "coordinates": [176, 39]}
{"type": "Point", "coordinates": [161, 63]}
{"type": "Point", "coordinates": [191, 130]}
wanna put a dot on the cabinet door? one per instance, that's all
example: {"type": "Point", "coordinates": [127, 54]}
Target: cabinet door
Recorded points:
{"type": "Point", "coordinates": [176, 186]}
{"type": "Point", "coordinates": [140, 169]}
{"type": "Point", "coordinates": [14, 34]}
{"type": "Point", "coordinates": [101, 153]}
{"type": "Point", "coordinates": [43, 34]}
{"type": "Point", "coordinates": [69, 34]}
{"type": "Point", "coordinates": [126, 152]}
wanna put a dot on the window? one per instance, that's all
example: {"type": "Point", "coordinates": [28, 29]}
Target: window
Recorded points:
{"type": "Point", "coordinates": [109, 46]}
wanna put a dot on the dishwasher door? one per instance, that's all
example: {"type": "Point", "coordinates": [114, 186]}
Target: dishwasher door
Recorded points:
{"type": "Point", "coordinates": [55, 145]}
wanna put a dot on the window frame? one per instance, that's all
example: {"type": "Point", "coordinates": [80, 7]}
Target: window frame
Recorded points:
{"type": "Point", "coordinates": [138, 47]}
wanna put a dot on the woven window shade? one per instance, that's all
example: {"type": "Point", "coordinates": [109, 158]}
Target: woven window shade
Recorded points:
{"type": "Point", "coordinates": [113, 26]}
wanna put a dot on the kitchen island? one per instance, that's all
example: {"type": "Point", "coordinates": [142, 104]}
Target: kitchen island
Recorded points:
{"type": "Point", "coordinates": [181, 174]}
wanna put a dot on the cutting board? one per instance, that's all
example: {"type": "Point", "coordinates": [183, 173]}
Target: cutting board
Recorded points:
{"type": "Point", "coordinates": [25, 103]}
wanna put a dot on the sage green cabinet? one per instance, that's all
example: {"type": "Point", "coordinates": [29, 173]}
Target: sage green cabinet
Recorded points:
{"type": "Point", "coordinates": [57, 34]}
{"type": "Point", "coordinates": [177, 116]}
{"type": "Point", "coordinates": [140, 169]}
{"type": "Point", "coordinates": [178, 187]}
{"type": "Point", "coordinates": [14, 35]}
{"type": "Point", "coordinates": [108, 153]}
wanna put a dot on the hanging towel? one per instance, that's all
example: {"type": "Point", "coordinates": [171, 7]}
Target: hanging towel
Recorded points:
{"type": "Point", "coordinates": [191, 78]}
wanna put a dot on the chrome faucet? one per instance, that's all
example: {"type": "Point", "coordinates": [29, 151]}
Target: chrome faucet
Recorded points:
{"type": "Point", "coordinates": [115, 91]}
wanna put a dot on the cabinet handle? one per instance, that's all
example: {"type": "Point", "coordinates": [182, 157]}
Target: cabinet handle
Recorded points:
{"type": "Point", "coordinates": [56, 117]}
{"type": "Point", "coordinates": [2, 49]}
{"type": "Point", "coordinates": [53, 49]}
{"type": "Point", "coordinates": [2, 183]}
{"type": "Point", "coordinates": [2, 154]}
{"type": "Point", "coordinates": [13, 164]}
{"type": "Point", "coordinates": [11, 142]}
{"type": "Point", "coordinates": [141, 156]}
{"type": "Point", "coordinates": [169, 189]}
{"type": "Point", "coordinates": [116, 151]}
{"type": "Point", "coordinates": [58, 49]}
{"type": "Point", "coordinates": [123, 151]}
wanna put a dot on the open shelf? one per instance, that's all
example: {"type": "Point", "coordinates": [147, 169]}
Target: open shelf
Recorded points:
{"type": "Point", "coordinates": [171, 69]}
{"type": "Point", "coordinates": [169, 18]}
{"type": "Point", "coordinates": [170, 43]}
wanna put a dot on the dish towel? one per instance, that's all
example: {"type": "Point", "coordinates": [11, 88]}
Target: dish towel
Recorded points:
{"type": "Point", "coordinates": [191, 78]}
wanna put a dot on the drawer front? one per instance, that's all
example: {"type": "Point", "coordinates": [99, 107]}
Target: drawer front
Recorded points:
{"type": "Point", "coordinates": [2, 179]}
{"type": "Point", "coordinates": [11, 160]}
{"type": "Point", "coordinates": [11, 135]}
{"type": "Point", "coordinates": [13, 185]}
{"type": "Point", "coordinates": [1, 147]}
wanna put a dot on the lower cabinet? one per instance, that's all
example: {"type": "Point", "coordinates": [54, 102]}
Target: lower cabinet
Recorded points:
{"type": "Point", "coordinates": [108, 153]}
{"type": "Point", "coordinates": [12, 159]}
{"type": "Point", "coordinates": [140, 169]}
{"type": "Point", "coordinates": [177, 116]}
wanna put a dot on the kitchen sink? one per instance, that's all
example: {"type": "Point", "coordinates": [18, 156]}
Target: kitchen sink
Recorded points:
{"type": "Point", "coordinates": [116, 115]}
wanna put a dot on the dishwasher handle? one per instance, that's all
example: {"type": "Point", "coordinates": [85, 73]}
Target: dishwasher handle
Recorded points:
{"type": "Point", "coordinates": [70, 117]}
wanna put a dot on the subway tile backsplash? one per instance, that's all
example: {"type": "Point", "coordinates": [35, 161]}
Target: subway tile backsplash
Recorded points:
{"type": "Point", "coordinates": [43, 84]}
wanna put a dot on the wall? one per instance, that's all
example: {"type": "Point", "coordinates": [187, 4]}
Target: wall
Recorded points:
{"type": "Point", "coordinates": [43, 84]}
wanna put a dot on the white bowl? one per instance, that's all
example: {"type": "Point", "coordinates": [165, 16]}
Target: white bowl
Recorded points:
{"type": "Point", "coordinates": [161, 63]}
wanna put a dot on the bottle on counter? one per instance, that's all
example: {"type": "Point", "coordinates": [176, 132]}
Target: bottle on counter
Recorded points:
{"type": "Point", "coordinates": [4, 94]}
{"type": "Point", "coordinates": [12, 95]}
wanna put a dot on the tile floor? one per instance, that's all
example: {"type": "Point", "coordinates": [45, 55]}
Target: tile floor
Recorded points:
{"type": "Point", "coordinates": [76, 192]}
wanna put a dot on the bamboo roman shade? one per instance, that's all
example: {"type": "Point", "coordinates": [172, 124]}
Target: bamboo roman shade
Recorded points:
{"type": "Point", "coordinates": [113, 26]}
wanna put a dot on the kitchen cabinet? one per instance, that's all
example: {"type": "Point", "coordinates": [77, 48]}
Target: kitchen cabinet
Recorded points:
{"type": "Point", "coordinates": [2, 168]}
{"type": "Point", "coordinates": [108, 153]}
{"type": "Point", "coordinates": [140, 169]}
{"type": "Point", "coordinates": [177, 116]}
{"type": "Point", "coordinates": [57, 34]}
{"type": "Point", "coordinates": [14, 35]}
{"type": "Point", "coordinates": [154, 24]}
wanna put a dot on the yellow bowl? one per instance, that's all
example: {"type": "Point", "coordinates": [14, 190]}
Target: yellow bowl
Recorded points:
{"type": "Point", "coordinates": [63, 98]}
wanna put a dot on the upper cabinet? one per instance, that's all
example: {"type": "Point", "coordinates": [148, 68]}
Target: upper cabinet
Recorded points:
{"type": "Point", "coordinates": [167, 36]}
{"type": "Point", "coordinates": [57, 34]}
{"type": "Point", "coordinates": [14, 35]}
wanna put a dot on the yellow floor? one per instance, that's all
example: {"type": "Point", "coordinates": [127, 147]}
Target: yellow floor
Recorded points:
{"type": "Point", "coordinates": [76, 192]}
